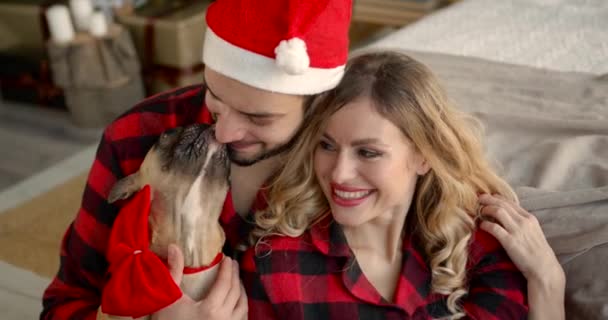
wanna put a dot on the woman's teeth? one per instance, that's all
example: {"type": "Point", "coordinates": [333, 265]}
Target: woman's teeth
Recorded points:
{"type": "Point", "coordinates": [351, 195]}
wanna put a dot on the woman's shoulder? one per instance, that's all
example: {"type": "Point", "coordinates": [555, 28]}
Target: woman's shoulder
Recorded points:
{"type": "Point", "coordinates": [494, 281]}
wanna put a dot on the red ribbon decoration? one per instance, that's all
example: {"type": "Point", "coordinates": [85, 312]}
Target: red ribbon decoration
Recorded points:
{"type": "Point", "coordinates": [140, 283]}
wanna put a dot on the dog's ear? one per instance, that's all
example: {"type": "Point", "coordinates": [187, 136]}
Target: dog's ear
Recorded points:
{"type": "Point", "coordinates": [125, 187]}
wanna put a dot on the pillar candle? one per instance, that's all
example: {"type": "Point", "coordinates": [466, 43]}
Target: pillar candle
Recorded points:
{"type": "Point", "coordinates": [82, 11]}
{"type": "Point", "coordinates": [60, 24]}
{"type": "Point", "coordinates": [99, 25]}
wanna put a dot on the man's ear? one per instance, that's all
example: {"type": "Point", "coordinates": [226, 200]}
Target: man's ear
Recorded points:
{"type": "Point", "coordinates": [125, 187]}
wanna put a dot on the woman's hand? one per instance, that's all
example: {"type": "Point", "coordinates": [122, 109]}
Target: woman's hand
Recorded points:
{"type": "Point", "coordinates": [226, 298]}
{"type": "Point", "coordinates": [521, 236]}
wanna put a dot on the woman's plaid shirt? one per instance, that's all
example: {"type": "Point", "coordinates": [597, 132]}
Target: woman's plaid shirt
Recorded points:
{"type": "Point", "coordinates": [75, 293]}
{"type": "Point", "coordinates": [316, 276]}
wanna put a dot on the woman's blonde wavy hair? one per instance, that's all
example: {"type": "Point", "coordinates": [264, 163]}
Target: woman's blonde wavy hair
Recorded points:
{"type": "Point", "coordinates": [405, 92]}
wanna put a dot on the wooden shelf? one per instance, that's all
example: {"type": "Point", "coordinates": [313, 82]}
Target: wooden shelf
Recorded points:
{"type": "Point", "coordinates": [392, 12]}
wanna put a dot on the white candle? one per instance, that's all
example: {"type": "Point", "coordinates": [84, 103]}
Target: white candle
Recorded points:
{"type": "Point", "coordinates": [82, 11]}
{"type": "Point", "coordinates": [60, 24]}
{"type": "Point", "coordinates": [98, 26]}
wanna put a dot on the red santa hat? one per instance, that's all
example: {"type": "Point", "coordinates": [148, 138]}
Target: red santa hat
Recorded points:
{"type": "Point", "coordinates": [285, 46]}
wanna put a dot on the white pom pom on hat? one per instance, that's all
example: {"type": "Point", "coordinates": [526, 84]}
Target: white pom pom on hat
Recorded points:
{"type": "Point", "coordinates": [291, 56]}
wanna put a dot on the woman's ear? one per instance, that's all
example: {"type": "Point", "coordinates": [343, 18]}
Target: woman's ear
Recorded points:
{"type": "Point", "coordinates": [423, 166]}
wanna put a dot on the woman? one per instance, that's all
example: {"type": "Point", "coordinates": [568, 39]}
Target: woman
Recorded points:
{"type": "Point", "coordinates": [380, 203]}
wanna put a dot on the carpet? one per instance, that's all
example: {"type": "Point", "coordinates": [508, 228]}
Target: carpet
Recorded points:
{"type": "Point", "coordinates": [31, 233]}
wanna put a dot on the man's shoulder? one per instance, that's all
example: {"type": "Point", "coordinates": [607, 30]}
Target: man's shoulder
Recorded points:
{"type": "Point", "coordinates": [155, 114]}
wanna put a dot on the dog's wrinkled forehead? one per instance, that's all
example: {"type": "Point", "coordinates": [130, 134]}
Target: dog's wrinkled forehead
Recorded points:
{"type": "Point", "coordinates": [187, 149]}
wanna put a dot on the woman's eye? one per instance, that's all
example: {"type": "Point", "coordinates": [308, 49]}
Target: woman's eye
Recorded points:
{"type": "Point", "coordinates": [365, 153]}
{"type": "Point", "coordinates": [326, 146]}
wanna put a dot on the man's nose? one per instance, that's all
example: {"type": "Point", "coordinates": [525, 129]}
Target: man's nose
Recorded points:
{"type": "Point", "coordinates": [228, 128]}
{"type": "Point", "coordinates": [343, 168]}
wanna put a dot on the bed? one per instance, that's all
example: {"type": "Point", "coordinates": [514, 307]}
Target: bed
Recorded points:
{"type": "Point", "coordinates": [536, 73]}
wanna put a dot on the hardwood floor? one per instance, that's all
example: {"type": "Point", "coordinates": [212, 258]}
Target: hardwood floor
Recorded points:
{"type": "Point", "coordinates": [33, 138]}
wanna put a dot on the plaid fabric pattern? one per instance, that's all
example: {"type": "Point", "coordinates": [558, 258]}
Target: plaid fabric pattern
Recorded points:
{"type": "Point", "coordinates": [316, 276]}
{"type": "Point", "coordinates": [75, 293]}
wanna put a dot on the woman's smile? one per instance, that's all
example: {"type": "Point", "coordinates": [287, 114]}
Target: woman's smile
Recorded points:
{"type": "Point", "coordinates": [348, 196]}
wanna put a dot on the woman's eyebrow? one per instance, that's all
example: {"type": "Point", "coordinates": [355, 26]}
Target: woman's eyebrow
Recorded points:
{"type": "Point", "coordinates": [358, 142]}
{"type": "Point", "coordinates": [328, 137]}
{"type": "Point", "coordinates": [366, 141]}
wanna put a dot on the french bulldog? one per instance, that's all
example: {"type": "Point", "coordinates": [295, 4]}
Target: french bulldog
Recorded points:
{"type": "Point", "coordinates": [187, 172]}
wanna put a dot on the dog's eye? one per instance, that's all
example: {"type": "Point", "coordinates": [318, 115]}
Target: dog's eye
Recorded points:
{"type": "Point", "coordinates": [168, 133]}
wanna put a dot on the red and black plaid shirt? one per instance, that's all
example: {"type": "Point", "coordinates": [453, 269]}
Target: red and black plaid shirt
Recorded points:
{"type": "Point", "coordinates": [316, 276]}
{"type": "Point", "coordinates": [75, 293]}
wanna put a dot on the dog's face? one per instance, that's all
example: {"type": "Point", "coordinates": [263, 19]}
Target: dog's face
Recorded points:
{"type": "Point", "coordinates": [188, 173]}
{"type": "Point", "coordinates": [182, 159]}
{"type": "Point", "coordinates": [190, 152]}
{"type": "Point", "coordinates": [187, 162]}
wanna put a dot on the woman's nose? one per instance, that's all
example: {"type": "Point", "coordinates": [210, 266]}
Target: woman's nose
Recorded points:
{"type": "Point", "coordinates": [343, 168]}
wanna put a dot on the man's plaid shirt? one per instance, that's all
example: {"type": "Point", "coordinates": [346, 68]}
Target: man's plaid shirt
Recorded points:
{"type": "Point", "coordinates": [75, 293]}
{"type": "Point", "coordinates": [316, 276]}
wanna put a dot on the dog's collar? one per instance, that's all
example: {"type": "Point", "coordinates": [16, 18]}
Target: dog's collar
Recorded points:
{"type": "Point", "coordinates": [216, 261]}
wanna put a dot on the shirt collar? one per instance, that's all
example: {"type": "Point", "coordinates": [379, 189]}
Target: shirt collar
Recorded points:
{"type": "Point", "coordinates": [328, 237]}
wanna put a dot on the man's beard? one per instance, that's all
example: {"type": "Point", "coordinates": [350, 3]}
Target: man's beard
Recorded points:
{"type": "Point", "coordinates": [265, 154]}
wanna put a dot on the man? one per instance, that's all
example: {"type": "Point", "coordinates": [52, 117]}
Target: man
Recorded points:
{"type": "Point", "coordinates": [263, 63]}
